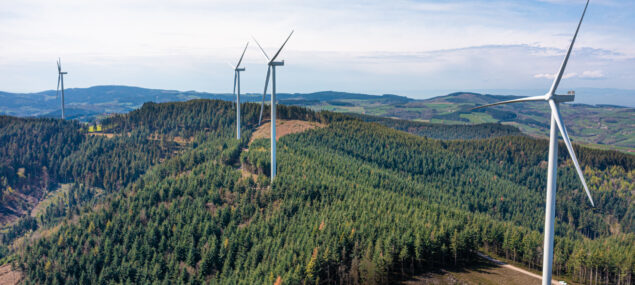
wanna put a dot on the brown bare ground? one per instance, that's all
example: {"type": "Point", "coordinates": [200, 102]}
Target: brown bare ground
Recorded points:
{"type": "Point", "coordinates": [11, 213]}
{"type": "Point", "coordinates": [9, 276]}
{"type": "Point", "coordinates": [486, 271]}
{"type": "Point", "coordinates": [489, 275]}
{"type": "Point", "coordinates": [284, 127]}
{"type": "Point", "coordinates": [108, 135]}
{"type": "Point", "coordinates": [177, 139]}
{"type": "Point", "coordinates": [246, 174]}
{"type": "Point", "coordinates": [183, 141]}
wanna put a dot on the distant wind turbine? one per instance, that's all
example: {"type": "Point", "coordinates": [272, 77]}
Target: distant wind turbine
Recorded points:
{"type": "Point", "coordinates": [271, 70]}
{"type": "Point", "coordinates": [60, 79]}
{"type": "Point", "coordinates": [556, 123]}
{"type": "Point", "coordinates": [237, 70]}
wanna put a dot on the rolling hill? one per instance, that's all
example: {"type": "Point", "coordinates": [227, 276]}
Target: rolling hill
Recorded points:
{"type": "Point", "coordinates": [602, 126]}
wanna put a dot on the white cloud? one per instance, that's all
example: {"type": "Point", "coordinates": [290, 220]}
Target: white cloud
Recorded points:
{"type": "Point", "coordinates": [545, 75]}
{"type": "Point", "coordinates": [587, 74]}
{"type": "Point", "coordinates": [553, 75]}
{"type": "Point", "coordinates": [592, 74]}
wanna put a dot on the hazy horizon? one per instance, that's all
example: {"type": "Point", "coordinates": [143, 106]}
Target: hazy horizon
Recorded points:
{"type": "Point", "coordinates": [594, 96]}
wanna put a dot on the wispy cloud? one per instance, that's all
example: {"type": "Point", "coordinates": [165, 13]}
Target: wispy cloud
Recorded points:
{"type": "Point", "coordinates": [587, 74]}
{"type": "Point", "coordinates": [592, 74]}
{"type": "Point", "coordinates": [553, 75]}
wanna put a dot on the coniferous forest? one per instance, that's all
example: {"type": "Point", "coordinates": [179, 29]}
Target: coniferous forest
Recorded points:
{"type": "Point", "coordinates": [167, 195]}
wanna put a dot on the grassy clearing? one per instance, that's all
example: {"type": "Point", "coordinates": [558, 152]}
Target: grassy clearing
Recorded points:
{"type": "Point", "coordinates": [439, 121]}
{"type": "Point", "coordinates": [479, 118]}
{"type": "Point", "coordinates": [51, 198]}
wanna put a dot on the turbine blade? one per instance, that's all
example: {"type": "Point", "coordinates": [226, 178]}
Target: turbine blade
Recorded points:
{"type": "Point", "coordinates": [261, 49]}
{"type": "Point", "coordinates": [526, 99]}
{"type": "Point", "coordinates": [556, 81]}
{"type": "Point", "coordinates": [241, 57]}
{"type": "Point", "coordinates": [285, 42]}
{"type": "Point", "coordinates": [262, 105]}
{"type": "Point", "coordinates": [235, 75]}
{"type": "Point", "coordinates": [59, 66]}
{"type": "Point", "coordinates": [57, 91]}
{"type": "Point", "coordinates": [555, 111]}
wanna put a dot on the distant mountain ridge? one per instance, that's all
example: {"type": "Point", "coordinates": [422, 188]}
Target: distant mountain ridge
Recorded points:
{"type": "Point", "coordinates": [121, 99]}
{"type": "Point", "coordinates": [81, 103]}
{"type": "Point", "coordinates": [606, 125]}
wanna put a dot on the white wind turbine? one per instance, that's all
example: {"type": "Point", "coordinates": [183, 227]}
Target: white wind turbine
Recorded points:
{"type": "Point", "coordinates": [60, 79]}
{"type": "Point", "coordinates": [237, 70]}
{"type": "Point", "coordinates": [556, 123]}
{"type": "Point", "coordinates": [271, 70]}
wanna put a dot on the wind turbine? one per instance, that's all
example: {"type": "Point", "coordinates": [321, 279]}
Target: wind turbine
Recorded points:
{"type": "Point", "coordinates": [237, 70]}
{"type": "Point", "coordinates": [271, 70]}
{"type": "Point", "coordinates": [556, 123]}
{"type": "Point", "coordinates": [60, 78]}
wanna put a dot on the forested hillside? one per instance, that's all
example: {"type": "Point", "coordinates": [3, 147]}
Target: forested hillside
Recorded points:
{"type": "Point", "coordinates": [30, 157]}
{"type": "Point", "coordinates": [354, 202]}
{"type": "Point", "coordinates": [40, 154]}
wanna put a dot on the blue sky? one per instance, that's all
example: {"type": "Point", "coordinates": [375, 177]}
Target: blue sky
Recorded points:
{"type": "Point", "coordinates": [413, 48]}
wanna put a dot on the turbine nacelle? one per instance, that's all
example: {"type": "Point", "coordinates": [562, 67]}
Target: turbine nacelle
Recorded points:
{"type": "Point", "coordinates": [563, 98]}
{"type": "Point", "coordinates": [239, 69]}
{"type": "Point", "coordinates": [276, 63]}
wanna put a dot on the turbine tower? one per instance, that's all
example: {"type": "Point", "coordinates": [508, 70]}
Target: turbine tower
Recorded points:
{"type": "Point", "coordinates": [60, 79]}
{"type": "Point", "coordinates": [271, 71]}
{"type": "Point", "coordinates": [237, 70]}
{"type": "Point", "coordinates": [556, 123]}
